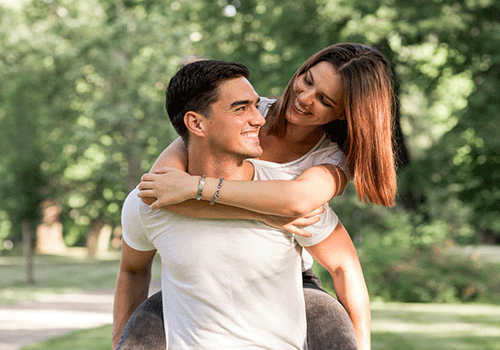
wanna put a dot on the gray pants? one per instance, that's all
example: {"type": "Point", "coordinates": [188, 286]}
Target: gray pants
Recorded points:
{"type": "Point", "coordinates": [328, 324]}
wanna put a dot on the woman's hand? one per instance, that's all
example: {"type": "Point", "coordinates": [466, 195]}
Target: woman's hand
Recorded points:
{"type": "Point", "coordinates": [292, 224]}
{"type": "Point", "coordinates": [168, 186]}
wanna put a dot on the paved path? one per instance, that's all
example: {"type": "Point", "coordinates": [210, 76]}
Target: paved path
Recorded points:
{"type": "Point", "coordinates": [53, 315]}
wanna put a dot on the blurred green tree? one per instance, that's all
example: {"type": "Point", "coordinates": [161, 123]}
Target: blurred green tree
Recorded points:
{"type": "Point", "coordinates": [83, 84]}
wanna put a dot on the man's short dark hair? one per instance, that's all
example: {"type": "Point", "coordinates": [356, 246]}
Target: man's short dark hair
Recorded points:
{"type": "Point", "coordinates": [195, 87]}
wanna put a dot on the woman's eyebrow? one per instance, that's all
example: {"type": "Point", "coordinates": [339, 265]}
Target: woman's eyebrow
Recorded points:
{"type": "Point", "coordinates": [325, 95]}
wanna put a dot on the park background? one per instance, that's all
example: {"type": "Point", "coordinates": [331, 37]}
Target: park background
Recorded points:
{"type": "Point", "coordinates": [82, 118]}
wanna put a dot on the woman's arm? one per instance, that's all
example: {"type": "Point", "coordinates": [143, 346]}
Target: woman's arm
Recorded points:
{"type": "Point", "coordinates": [203, 210]}
{"type": "Point", "coordinates": [175, 156]}
{"type": "Point", "coordinates": [338, 255]}
{"type": "Point", "coordinates": [295, 198]}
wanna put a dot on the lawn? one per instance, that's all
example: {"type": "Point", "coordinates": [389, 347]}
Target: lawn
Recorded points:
{"type": "Point", "coordinates": [58, 274]}
{"type": "Point", "coordinates": [435, 326]}
{"type": "Point", "coordinates": [55, 274]}
{"type": "Point", "coordinates": [395, 327]}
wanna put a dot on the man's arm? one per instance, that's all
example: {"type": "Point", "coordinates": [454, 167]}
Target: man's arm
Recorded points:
{"type": "Point", "coordinates": [338, 255]}
{"type": "Point", "coordinates": [132, 286]}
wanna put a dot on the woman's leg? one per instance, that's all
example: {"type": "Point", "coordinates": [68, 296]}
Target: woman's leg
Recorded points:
{"type": "Point", "coordinates": [328, 324]}
{"type": "Point", "coordinates": [145, 329]}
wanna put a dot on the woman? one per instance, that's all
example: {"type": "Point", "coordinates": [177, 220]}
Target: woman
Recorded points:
{"type": "Point", "coordinates": [340, 96]}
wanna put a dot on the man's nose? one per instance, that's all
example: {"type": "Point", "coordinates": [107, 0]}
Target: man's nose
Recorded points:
{"type": "Point", "coordinates": [257, 118]}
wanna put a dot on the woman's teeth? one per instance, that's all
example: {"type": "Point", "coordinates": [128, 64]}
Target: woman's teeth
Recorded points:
{"type": "Point", "coordinates": [297, 106]}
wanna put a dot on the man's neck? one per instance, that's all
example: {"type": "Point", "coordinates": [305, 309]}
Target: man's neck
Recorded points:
{"type": "Point", "coordinates": [204, 163]}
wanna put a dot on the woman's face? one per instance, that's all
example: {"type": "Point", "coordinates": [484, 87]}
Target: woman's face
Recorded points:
{"type": "Point", "coordinates": [317, 97]}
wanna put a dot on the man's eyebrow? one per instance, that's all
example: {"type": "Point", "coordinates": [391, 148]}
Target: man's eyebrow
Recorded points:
{"type": "Point", "coordinates": [325, 95]}
{"type": "Point", "coordinates": [242, 102]}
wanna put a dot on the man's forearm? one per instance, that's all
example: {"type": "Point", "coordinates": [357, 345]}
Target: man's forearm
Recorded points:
{"type": "Point", "coordinates": [131, 290]}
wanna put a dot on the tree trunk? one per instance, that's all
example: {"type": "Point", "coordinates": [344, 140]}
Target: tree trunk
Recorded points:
{"type": "Point", "coordinates": [103, 240]}
{"type": "Point", "coordinates": [93, 238]}
{"type": "Point", "coordinates": [28, 252]}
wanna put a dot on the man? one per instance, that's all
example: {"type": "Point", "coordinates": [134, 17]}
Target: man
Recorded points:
{"type": "Point", "coordinates": [222, 290]}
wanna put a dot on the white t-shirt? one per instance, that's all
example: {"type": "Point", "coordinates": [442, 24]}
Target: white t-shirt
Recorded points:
{"type": "Point", "coordinates": [227, 284]}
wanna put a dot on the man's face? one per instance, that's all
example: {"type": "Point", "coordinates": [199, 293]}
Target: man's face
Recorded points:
{"type": "Point", "coordinates": [234, 122]}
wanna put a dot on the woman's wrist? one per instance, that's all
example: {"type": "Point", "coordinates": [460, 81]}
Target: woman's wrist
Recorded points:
{"type": "Point", "coordinates": [210, 188]}
{"type": "Point", "coordinates": [192, 184]}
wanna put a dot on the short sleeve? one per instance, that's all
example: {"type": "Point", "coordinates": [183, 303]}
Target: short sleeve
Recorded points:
{"type": "Point", "coordinates": [332, 154]}
{"type": "Point", "coordinates": [320, 230]}
{"type": "Point", "coordinates": [264, 105]}
{"type": "Point", "coordinates": [132, 229]}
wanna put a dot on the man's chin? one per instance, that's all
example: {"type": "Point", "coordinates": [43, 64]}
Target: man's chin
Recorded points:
{"type": "Point", "coordinates": [253, 153]}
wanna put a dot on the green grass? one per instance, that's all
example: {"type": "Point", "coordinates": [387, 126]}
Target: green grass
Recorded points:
{"type": "Point", "coordinates": [90, 339]}
{"type": "Point", "coordinates": [54, 274]}
{"type": "Point", "coordinates": [58, 274]}
{"type": "Point", "coordinates": [396, 326]}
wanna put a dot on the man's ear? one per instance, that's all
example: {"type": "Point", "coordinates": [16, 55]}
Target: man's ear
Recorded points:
{"type": "Point", "coordinates": [195, 123]}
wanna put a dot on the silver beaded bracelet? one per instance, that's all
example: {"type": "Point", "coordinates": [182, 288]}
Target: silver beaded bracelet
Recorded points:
{"type": "Point", "coordinates": [216, 195]}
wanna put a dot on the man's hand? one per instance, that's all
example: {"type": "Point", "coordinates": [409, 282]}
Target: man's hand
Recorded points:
{"type": "Point", "coordinates": [167, 186]}
{"type": "Point", "coordinates": [292, 224]}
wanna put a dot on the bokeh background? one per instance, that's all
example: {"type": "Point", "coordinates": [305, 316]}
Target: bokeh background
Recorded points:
{"type": "Point", "coordinates": [82, 118]}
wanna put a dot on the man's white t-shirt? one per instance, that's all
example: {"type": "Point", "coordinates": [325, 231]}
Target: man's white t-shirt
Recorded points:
{"type": "Point", "coordinates": [227, 284]}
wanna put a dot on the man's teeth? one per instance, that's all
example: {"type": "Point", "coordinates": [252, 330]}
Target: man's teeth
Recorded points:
{"type": "Point", "coordinates": [296, 103]}
{"type": "Point", "coordinates": [251, 134]}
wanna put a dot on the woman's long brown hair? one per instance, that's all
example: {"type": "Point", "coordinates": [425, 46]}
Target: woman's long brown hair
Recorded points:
{"type": "Point", "coordinates": [365, 133]}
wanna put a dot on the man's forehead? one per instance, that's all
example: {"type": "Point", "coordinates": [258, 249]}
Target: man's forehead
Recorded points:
{"type": "Point", "coordinates": [236, 89]}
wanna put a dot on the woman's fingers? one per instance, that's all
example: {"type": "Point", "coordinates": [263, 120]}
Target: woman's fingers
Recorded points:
{"type": "Point", "coordinates": [315, 212]}
{"type": "Point", "coordinates": [145, 185]}
{"type": "Point", "coordinates": [146, 193]}
{"type": "Point", "coordinates": [148, 177]}
{"type": "Point", "coordinates": [305, 221]}
{"type": "Point", "coordinates": [155, 205]}
{"type": "Point", "coordinates": [295, 230]}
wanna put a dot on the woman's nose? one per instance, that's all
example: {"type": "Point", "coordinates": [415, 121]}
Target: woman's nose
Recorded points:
{"type": "Point", "coordinates": [306, 96]}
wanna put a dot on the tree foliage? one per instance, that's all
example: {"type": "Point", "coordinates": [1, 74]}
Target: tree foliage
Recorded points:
{"type": "Point", "coordinates": [82, 116]}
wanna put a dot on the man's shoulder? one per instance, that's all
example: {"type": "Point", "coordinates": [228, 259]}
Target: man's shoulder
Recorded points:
{"type": "Point", "coordinates": [133, 230]}
{"type": "Point", "coordinates": [132, 201]}
{"type": "Point", "coordinates": [134, 208]}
